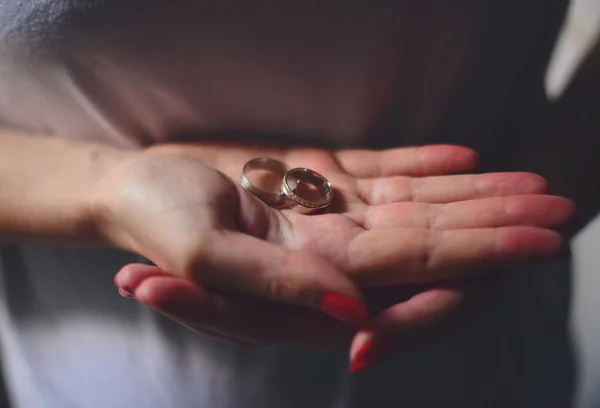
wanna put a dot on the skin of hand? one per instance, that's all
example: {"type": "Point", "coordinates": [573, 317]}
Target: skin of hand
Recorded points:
{"type": "Point", "coordinates": [233, 268]}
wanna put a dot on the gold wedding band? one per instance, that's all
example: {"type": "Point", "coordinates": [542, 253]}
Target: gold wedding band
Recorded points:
{"type": "Point", "coordinates": [273, 199]}
{"type": "Point", "coordinates": [294, 179]}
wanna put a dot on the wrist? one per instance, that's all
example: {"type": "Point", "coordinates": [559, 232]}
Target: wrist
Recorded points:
{"type": "Point", "coordinates": [106, 166]}
{"type": "Point", "coordinates": [46, 188]}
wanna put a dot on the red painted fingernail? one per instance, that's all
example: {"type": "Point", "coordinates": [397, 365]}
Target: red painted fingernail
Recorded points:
{"type": "Point", "coordinates": [372, 352]}
{"type": "Point", "coordinates": [126, 293]}
{"type": "Point", "coordinates": [346, 309]}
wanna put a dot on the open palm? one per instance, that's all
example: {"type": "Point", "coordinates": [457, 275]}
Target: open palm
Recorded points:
{"type": "Point", "coordinates": [397, 218]}
{"type": "Point", "coordinates": [396, 222]}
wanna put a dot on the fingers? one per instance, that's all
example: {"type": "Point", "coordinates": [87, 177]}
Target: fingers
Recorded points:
{"type": "Point", "coordinates": [240, 263]}
{"type": "Point", "coordinates": [231, 318]}
{"type": "Point", "coordinates": [425, 316]}
{"type": "Point", "coordinates": [526, 210]}
{"type": "Point", "coordinates": [388, 256]}
{"type": "Point", "coordinates": [446, 189]}
{"type": "Point", "coordinates": [130, 276]}
{"type": "Point", "coordinates": [402, 324]}
{"type": "Point", "coordinates": [408, 161]}
{"type": "Point", "coordinates": [130, 279]}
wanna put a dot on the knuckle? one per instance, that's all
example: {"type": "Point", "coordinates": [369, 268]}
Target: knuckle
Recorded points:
{"type": "Point", "coordinates": [300, 285]}
{"type": "Point", "coordinates": [433, 217]}
{"type": "Point", "coordinates": [191, 259]}
{"type": "Point", "coordinates": [290, 290]}
{"type": "Point", "coordinates": [414, 189]}
{"type": "Point", "coordinates": [429, 261]}
{"type": "Point", "coordinates": [536, 184]}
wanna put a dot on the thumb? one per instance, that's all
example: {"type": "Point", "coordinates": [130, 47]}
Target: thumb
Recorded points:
{"type": "Point", "coordinates": [242, 263]}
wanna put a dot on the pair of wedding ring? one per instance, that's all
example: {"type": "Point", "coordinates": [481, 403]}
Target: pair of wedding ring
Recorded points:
{"type": "Point", "coordinates": [303, 190]}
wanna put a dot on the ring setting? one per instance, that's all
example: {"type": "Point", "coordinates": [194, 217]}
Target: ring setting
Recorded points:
{"type": "Point", "coordinates": [301, 189]}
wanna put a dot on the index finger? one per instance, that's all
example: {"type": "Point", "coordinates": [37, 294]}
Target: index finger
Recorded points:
{"type": "Point", "coordinates": [408, 161]}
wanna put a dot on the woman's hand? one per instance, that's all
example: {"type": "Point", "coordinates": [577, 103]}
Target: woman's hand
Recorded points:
{"type": "Point", "coordinates": [393, 212]}
{"type": "Point", "coordinates": [395, 222]}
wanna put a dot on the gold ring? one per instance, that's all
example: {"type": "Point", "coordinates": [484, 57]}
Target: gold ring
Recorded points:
{"type": "Point", "coordinates": [273, 199]}
{"type": "Point", "coordinates": [318, 192]}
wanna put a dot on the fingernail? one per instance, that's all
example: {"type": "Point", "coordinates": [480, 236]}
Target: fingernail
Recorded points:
{"type": "Point", "coordinates": [371, 352]}
{"type": "Point", "coordinates": [346, 309]}
{"type": "Point", "coordinates": [125, 293]}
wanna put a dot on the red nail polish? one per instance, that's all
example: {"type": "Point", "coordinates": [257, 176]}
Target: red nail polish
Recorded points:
{"type": "Point", "coordinates": [345, 309]}
{"type": "Point", "coordinates": [125, 293]}
{"type": "Point", "coordinates": [372, 352]}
